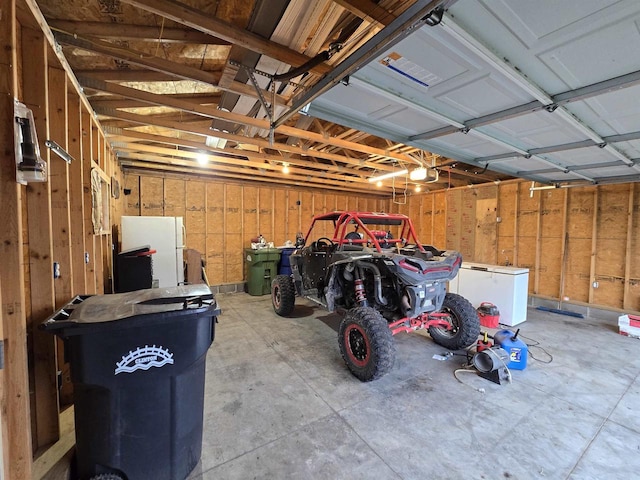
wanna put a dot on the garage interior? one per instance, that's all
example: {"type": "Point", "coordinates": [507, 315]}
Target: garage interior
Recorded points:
{"type": "Point", "coordinates": [508, 131]}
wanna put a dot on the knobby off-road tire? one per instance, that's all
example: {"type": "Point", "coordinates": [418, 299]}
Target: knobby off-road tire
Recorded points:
{"type": "Point", "coordinates": [107, 476]}
{"type": "Point", "coordinates": [366, 343]}
{"type": "Point", "coordinates": [283, 295]}
{"type": "Point", "coordinates": [464, 321]}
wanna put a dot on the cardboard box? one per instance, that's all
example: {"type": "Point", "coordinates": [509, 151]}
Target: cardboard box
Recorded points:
{"type": "Point", "coordinates": [629, 325]}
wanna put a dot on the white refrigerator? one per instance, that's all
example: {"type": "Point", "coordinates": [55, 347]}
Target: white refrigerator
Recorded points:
{"type": "Point", "coordinates": [163, 234]}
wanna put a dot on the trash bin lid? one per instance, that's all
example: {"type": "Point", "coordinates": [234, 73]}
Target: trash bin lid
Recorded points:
{"type": "Point", "coordinates": [140, 303]}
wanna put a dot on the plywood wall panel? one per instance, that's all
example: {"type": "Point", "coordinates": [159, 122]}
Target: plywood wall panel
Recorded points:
{"type": "Point", "coordinates": [414, 208]}
{"type": "Point", "coordinates": [485, 239]}
{"type": "Point", "coordinates": [279, 218]}
{"type": "Point", "coordinates": [506, 222]}
{"type": "Point", "coordinates": [265, 213]}
{"type": "Point", "coordinates": [174, 197]}
{"type": "Point", "coordinates": [251, 227]}
{"type": "Point", "coordinates": [131, 200]}
{"type": "Point", "coordinates": [293, 213]}
{"type": "Point", "coordinates": [234, 258]}
{"type": "Point", "coordinates": [580, 214]}
{"type": "Point", "coordinates": [578, 265]}
{"type": "Point", "coordinates": [306, 210]}
{"type": "Point", "coordinates": [233, 201]}
{"type": "Point", "coordinates": [454, 219]}
{"type": "Point", "coordinates": [151, 196]}
{"type": "Point", "coordinates": [611, 243]}
{"type": "Point", "coordinates": [427, 218]}
{"type": "Point", "coordinates": [440, 220]}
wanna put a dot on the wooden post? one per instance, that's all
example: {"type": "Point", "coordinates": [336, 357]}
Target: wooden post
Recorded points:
{"type": "Point", "coordinates": [59, 178]}
{"type": "Point", "coordinates": [536, 284]}
{"type": "Point", "coordinates": [34, 70]}
{"type": "Point", "coordinates": [76, 197]}
{"type": "Point", "coordinates": [14, 386]}
{"type": "Point", "coordinates": [565, 244]}
{"type": "Point", "coordinates": [89, 244]}
{"type": "Point", "coordinates": [516, 211]}
{"type": "Point", "coordinates": [594, 244]}
{"type": "Point", "coordinates": [626, 302]}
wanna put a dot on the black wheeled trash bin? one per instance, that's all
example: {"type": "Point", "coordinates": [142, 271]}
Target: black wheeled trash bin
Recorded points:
{"type": "Point", "coordinates": [138, 367]}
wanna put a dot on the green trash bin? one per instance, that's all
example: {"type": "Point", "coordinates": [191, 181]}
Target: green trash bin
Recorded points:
{"type": "Point", "coordinates": [262, 267]}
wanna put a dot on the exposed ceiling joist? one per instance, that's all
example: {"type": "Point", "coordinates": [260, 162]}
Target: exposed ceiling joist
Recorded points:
{"type": "Point", "coordinates": [197, 20]}
{"type": "Point", "coordinates": [205, 131]}
{"type": "Point", "coordinates": [123, 31]}
{"type": "Point", "coordinates": [210, 112]}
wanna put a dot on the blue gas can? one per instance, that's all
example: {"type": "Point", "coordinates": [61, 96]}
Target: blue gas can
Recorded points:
{"type": "Point", "coordinates": [517, 349]}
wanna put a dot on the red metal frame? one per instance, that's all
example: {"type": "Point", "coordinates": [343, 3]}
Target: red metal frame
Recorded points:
{"type": "Point", "coordinates": [425, 321]}
{"type": "Point", "coordinates": [343, 219]}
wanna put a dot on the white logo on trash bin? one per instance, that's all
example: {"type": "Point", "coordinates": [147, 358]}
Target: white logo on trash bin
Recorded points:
{"type": "Point", "coordinates": [143, 358]}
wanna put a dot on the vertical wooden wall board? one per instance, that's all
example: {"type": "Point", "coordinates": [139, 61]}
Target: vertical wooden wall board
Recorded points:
{"type": "Point", "coordinates": [632, 300]}
{"type": "Point", "coordinates": [440, 220]}
{"type": "Point", "coordinates": [95, 142]}
{"type": "Point", "coordinates": [415, 214]}
{"type": "Point", "coordinates": [14, 387]}
{"type": "Point", "coordinates": [195, 220]}
{"type": "Point", "coordinates": [453, 212]}
{"type": "Point", "coordinates": [293, 213]}
{"type": "Point", "coordinates": [467, 223]}
{"type": "Point", "coordinates": [427, 206]}
{"type": "Point", "coordinates": [89, 241]}
{"type": "Point", "coordinates": [527, 231]}
{"type": "Point", "coordinates": [265, 213]}
{"type": "Point", "coordinates": [59, 178]}
{"type": "Point", "coordinates": [279, 215]}
{"type": "Point", "coordinates": [40, 244]}
{"type": "Point", "coordinates": [99, 259]}
{"type": "Point", "coordinates": [234, 234]}
{"type": "Point", "coordinates": [215, 241]}
{"type": "Point", "coordinates": [507, 224]}
{"type": "Point", "coordinates": [611, 239]}
{"type": "Point", "coordinates": [174, 197]}
{"type": "Point", "coordinates": [132, 201]}
{"type": "Point", "coordinates": [306, 209]}
{"type": "Point", "coordinates": [251, 227]}
{"type": "Point", "coordinates": [551, 241]}
{"type": "Point", "coordinates": [486, 232]}
{"type": "Point", "coordinates": [151, 196]}
{"type": "Point", "coordinates": [76, 196]}
{"type": "Point", "coordinates": [626, 300]}
{"type": "Point", "coordinates": [579, 231]}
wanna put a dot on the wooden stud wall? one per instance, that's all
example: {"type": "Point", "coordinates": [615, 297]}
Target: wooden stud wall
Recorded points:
{"type": "Point", "coordinates": [43, 224]}
{"type": "Point", "coordinates": [221, 219]}
{"type": "Point", "coordinates": [14, 387]}
{"type": "Point", "coordinates": [579, 244]}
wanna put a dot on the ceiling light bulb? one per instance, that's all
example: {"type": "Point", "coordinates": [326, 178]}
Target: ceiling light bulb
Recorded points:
{"type": "Point", "coordinates": [418, 174]}
{"type": "Point", "coordinates": [379, 184]}
{"type": "Point", "coordinates": [418, 188]}
{"type": "Point", "coordinates": [202, 158]}
{"type": "Point", "coordinates": [285, 168]}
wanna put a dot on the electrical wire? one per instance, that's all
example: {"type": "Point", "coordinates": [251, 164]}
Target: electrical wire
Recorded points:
{"type": "Point", "coordinates": [537, 345]}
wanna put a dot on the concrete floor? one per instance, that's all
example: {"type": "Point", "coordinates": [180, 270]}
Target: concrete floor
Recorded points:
{"type": "Point", "coordinates": [281, 404]}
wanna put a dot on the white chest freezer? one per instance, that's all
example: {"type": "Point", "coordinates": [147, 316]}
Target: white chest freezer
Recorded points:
{"type": "Point", "coordinates": [505, 287]}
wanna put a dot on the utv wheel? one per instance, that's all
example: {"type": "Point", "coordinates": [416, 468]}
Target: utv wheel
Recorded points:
{"type": "Point", "coordinates": [283, 295]}
{"type": "Point", "coordinates": [465, 324]}
{"type": "Point", "coordinates": [366, 343]}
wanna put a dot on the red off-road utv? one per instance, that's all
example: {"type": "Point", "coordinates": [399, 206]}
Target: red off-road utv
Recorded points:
{"type": "Point", "coordinates": [373, 269]}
